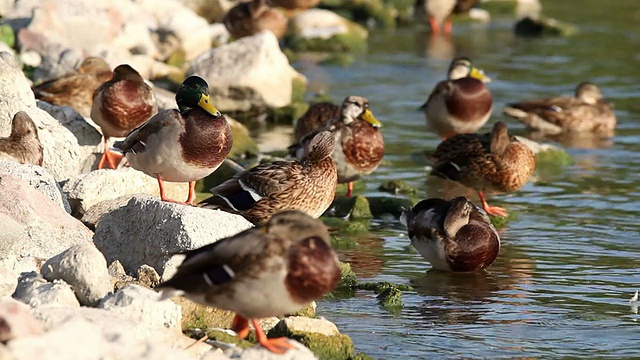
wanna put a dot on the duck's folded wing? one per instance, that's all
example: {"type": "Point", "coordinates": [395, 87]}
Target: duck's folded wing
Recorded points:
{"type": "Point", "coordinates": [136, 140]}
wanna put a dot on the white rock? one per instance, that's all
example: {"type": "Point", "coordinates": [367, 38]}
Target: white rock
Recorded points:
{"type": "Point", "coordinates": [87, 190]}
{"type": "Point", "coordinates": [249, 73]}
{"type": "Point", "coordinates": [300, 352]}
{"type": "Point", "coordinates": [141, 304]}
{"type": "Point", "coordinates": [146, 231]}
{"type": "Point", "coordinates": [92, 216]}
{"type": "Point", "coordinates": [17, 320]}
{"type": "Point", "coordinates": [8, 281]}
{"type": "Point", "coordinates": [56, 60]}
{"type": "Point", "coordinates": [319, 23]}
{"type": "Point", "coordinates": [39, 178]}
{"type": "Point", "coordinates": [63, 156]}
{"type": "Point", "coordinates": [34, 290]}
{"type": "Point", "coordinates": [84, 268]}
{"type": "Point", "coordinates": [306, 324]}
{"type": "Point", "coordinates": [32, 225]}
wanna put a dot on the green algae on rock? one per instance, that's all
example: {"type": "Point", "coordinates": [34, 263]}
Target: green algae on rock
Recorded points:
{"type": "Point", "coordinates": [397, 187]}
{"type": "Point", "coordinates": [319, 30]}
{"type": "Point", "coordinates": [348, 279]}
{"type": "Point", "coordinates": [355, 207]}
{"type": "Point", "coordinates": [382, 13]}
{"type": "Point", "coordinates": [381, 205]}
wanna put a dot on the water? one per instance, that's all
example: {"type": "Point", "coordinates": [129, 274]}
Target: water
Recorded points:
{"type": "Point", "coordinates": [570, 260]}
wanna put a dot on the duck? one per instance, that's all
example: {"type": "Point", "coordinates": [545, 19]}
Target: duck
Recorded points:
{"type": "Point", "coordinates": [251, 17]}
{"type": "Point", "coordinates": [296, 4]}
{"type": "Point", "coordinates": [359, 143]}
{"type": "Point", "coordinates": [438, 12]}
{"type": "Point", "coordinates": [120, 105]}
{"type": "Point", "coordinates": [463, 6]}
{"type": "Point", "coordinates": [23, 144]}
{"type": "Point", "coordinates": [495, 162]}
{"type": "Point", "coordinates": [461, 104]}
{"type": "Point", "coordinates": [455, 235]}
{"type": "Point", "coordinates": [76, 89]}
{"type": "Point", "coordinates": [307, 185]}
{"type": "Point", "coordinates": [315, 116]}
{"type": "Point", "coordinates": [270, 270]}
{"type": "Point", "coordinates": [181, 145]}
{"type": "Point", "coordinates": [586, 112]}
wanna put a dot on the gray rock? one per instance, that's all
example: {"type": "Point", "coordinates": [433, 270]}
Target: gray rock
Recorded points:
{"type": "Point", "coordinates": [258, 352]}
{"type": "Point", "coordinates": [16, 320]}
{"type": "Point", "coordinates": [92, 216]}
{"type": "Point", "coordinates": [63, 156]}
{"type": "Point", "coordinates": [34, 290]}
{"type": "Point", "coordinates": [250, 73]}
{"type": "Point", "coordinates": [34, 227]}
{"type": "Point", "coordinates": [8, 281]}
{"type": "Point", "coordinates": [306, 324]}
{"type": "Point", "coordinates": [141, 304]}
{"type": "Point", "coordinates": [89, 138]}
{"type": "Point", "coordinates": [322, 30]}
{"type": "Point", "coordinates": [117, 272]}
{"type": "Point", "coordinates": [165, 99]}
{"type": "Point", "coordinates": [87, 190]}
{"type": "Point", "coordinates": [84, 268]}
{"type": "Point", "coordinates": [39, 178]}
{"type": "Point", "coordinates": [146, 231]}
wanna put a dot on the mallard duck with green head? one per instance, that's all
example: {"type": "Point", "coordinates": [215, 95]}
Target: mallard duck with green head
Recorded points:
{"type": "Point", "coordinates": [586, 112]}
{"type": "Point", "coordinates": [76, 89]}
{"type": "Point", "coordinates": [461, 104]}
{"type": "Point", "coordinates": [119, 106]}
{"type": "Point", "coordinates": [270, 270]}
{"type": "Point", "coordinates": [452, 235]}
{"type": "Point", "coordinates": [23, 144]}
{"type": "Point", "coordinates": [308, 185]}
{"type": "Point", "coordinates": [183, 145]}
{"type": "Point", "coordinates": [359, 144]}
{"type": "Point", "coordinates": [251, 17]}
{"type": "Point", "coordinates": [491, 162]}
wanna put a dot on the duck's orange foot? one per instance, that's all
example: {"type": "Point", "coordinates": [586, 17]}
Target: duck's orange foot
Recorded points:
{"type": "Point", "coordinates": [277, 345]}
{"type": "Point", "coordinates": [241, 326]}
{"type": "Point", "coordinates": [349, 189]}
{"type": "Point", "coordinates": [109, 160]}
{"type": "Point", "coordinates": [495, 211]}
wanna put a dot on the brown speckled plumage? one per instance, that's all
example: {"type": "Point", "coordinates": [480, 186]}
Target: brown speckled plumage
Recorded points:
{"type": "Point", "coordinates": [270, 270]}
{"type": "Point", "coordinates": [316, 115]}
{"type": "Point", "coordinates": [23, 144]}
{"type": "Point", "coordinates": [587, 112]}
{"type": "Point", "coordinates": [452, 235]}
{"type": "Point", "coordinates": [250, 17]}
{"type": "Point", "coordinates": [308, 185]}
{"type": "Point", "coordinates": [123, 103]}
{"type": "Point", "coordinates": [204, 142]}
{"type": "Point", "coordinates": [360, 145]}
{"type": "Point", "coordinates": [76, 89]}
{"type": "Point", "coordinates": [493, 161]}
{"type": "Point", "coordinates": [461, 104]}
{"type": "Point", "coordinates": [296, 4]}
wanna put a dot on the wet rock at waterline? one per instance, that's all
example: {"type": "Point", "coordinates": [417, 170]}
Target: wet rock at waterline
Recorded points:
{"type": "Point", "coordinates": [134, 235]}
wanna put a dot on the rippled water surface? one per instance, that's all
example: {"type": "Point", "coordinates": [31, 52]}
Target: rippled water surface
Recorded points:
{"type": "Point", "coordinates": [569, 261]}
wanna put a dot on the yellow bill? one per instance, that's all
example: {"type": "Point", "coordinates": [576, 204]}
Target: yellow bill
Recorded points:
{"type": "Point", "coordinates": [479, 74]}
{"type": "Point", "coordinates": [206, 105]}
{"type": "Point", "coordinates": [368, 117]}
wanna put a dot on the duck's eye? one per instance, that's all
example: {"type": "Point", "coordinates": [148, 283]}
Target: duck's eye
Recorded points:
{"type": "Point", "coordinates": [206, 101]}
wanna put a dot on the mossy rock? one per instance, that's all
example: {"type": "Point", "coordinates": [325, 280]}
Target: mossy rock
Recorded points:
{"type": "Point", "coordinates": [397, 187]}
{"type": "Point", "coordinates": [352, 38]}
{"type": "Point", "coordinates": [389, 295]}
{"type": "Point", "coordinates": [355, 207]}
{"type": "Point", "coordinates": [287, 115]}
{"type": "Point", "coordinates": [344, 228]}
{"type": "Point", "coordinates": [196, 316]}
{"type": "Point", "coordinates": [298, 88]}
{"type": "Point", "coordinates": [325, 347]}
{"type": "Point", "coordinates": [381, 205]}
{"type": "Point", "coordinates": [348, 279]}
{"type": "Point", "coordinates": [500, 222]}
{"type": "Point", "coordinates": [555, 157]}
{"type": "Point", "coordinates": [543, 26]}
{"type": "Point", "coordinates": [222, 336]}
{"type": "Point", "coordinates": [309, 311]}
{"type": "Point", "coordinates": [7, 35]}
{"type": "Point", "coordinates": [358, 186]}
{"type": "Point", "coordinates": [382, 13]}
{"type": "Point", "coordinates": [243, 143]}
{"type": "Point", "coordinates": [402, 10]}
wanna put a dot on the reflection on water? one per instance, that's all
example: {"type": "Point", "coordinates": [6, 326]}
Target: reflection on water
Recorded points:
{"type": "Point", "coordinates": [570, 260]}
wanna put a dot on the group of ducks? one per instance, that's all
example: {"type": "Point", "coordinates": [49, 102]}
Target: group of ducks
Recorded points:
{"type": "Point", "coordinates": [286, 261]}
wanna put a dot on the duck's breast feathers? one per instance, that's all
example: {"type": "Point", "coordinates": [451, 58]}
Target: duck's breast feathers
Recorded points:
{"type": "Point", "coordinates": [363, 146]}
{"type": "Point", "coordinates": [475, 246]}
{"type": "Point", "coordinates": [312, 269]}
{"type": "Point", "coordinates": [158, 124]}
{"type": "Point", "coordinates": [469, 99]}
{"type": "Point", "coordinates": [207, 139]}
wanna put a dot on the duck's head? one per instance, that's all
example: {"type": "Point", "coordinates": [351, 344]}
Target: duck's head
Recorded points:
{"type": "Point", "coordinates": [126, 72]}
{"type": "Point", "coordinates": [321, 146]}
{"type": "Point", "coordinates": [357, 107]}
{"type": "Point", "coordinates": [23, 127]}
{"type": "Point", "coordinates": [94, 66]}
{"type": "Point", "coordinates": [462, 67]}
{"type": "Point", "coordinates": [588, 93]}
{"type": "Point", "coordinates": [194, 92]}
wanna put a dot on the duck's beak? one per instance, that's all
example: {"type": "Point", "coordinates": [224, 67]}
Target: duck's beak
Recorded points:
{"type": "Point", "coordinates": [479, 74]}
{"type": "Point", "coordinates": [206, 105]}
{"type": "Point", "coordinates": [368, 117]}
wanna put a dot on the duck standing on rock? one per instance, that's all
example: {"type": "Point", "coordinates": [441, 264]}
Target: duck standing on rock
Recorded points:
{"type": "Point", "coordinates": [308, 185]}
{"type": "Point", "coordinates": [452, 235]}
{"type": "Point", "coordinates": [76, 89]}
{"type": "Point", "coordinates": [119, 106]}
{"type": "Point", "coordinates": [587, 112]}
{"type": "Point", "coordinates": [461, 104]}
{"type": "Point", "coordinates": [359, 144]}
{"type": "Point", "coordinates": [271, 270]}
{"type": "Point", "coordinates": [438, 12]}
{"type": "Point", "coordinates": [495, 162]}
{"type": "Point", "coordinates": [23, 144]}
{"type": "Point", "coordinates": [183, 145]}
{"type": "Point", "coordinates": [251, 17]}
